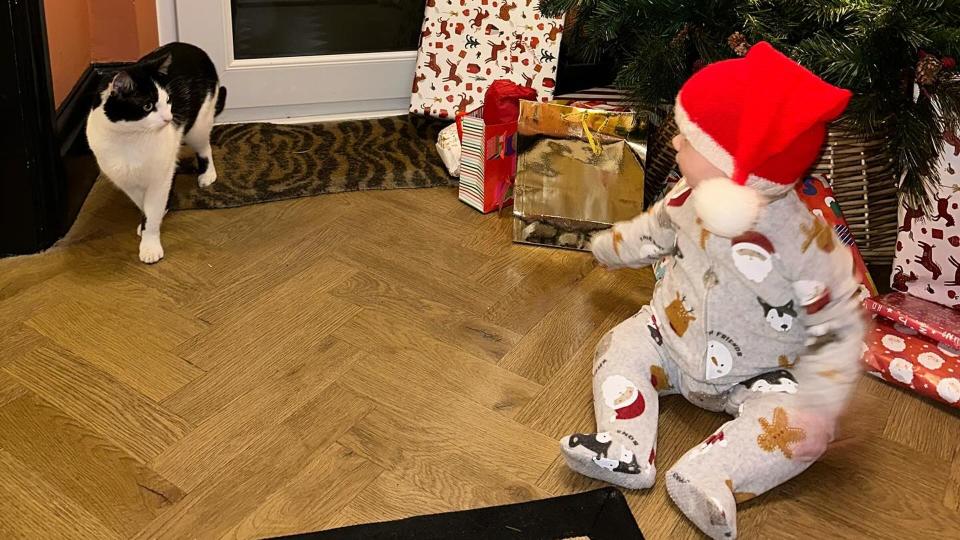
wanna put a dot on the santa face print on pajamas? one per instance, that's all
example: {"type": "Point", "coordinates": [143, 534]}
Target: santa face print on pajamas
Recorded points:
{"type": "Point", "coordinates": [628, 379]}
{"type": "Point", "coordinates": [623, 396]}
{"type": "Point", "coordinates": [753, 255]}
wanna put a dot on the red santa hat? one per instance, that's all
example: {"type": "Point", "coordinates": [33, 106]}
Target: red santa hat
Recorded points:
{"type": "Point", "coordinates": [753, 238]}
{"type": "Point", "coordinates": [761, 120]}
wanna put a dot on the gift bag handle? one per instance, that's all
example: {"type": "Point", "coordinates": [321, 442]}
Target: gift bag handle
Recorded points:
{"type": "Point", "coordinates": [594, 146]}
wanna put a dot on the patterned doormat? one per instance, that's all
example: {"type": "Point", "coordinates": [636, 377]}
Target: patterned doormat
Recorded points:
{"type": "Point", "coordinates": [263, 162]}
{"type": "Point", "coordinates": [601, 514]}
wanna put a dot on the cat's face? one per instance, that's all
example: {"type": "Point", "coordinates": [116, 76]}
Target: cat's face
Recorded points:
{"type": "Point", "coordinates": [135, 101]}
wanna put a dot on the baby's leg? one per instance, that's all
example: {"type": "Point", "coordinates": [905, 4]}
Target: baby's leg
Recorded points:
{"type": "Point", "coordinates": [627, 373]}
{"type": "Point", "coordinates": [744, 458]}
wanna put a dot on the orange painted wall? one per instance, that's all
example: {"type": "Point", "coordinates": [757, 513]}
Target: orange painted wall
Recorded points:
{"type": "Point", "coordinates": [122, 30]}
{"type": "Point", "coordinates": [68, 38]}
{"type": "Point", "coordinates": [147, 32]}
{"type": "Point", "coordinates": [84, 31]}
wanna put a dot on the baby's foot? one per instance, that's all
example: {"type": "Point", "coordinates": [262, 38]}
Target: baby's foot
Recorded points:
{"type": "Point", "coordinates": [710, 507]}
{"type": "Point", "coordinates": [604, 457]}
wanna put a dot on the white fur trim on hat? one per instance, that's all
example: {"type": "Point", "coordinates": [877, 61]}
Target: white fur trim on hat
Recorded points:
{"type": "Point", "coordinates": [726, 209]}
{"type": "Point", "coordinates": [701, 141]}
{"type": "Point", "coordinates": [707, 146]}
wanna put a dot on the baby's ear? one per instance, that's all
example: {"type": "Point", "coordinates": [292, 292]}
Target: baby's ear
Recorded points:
{"type": "Point", "coordinates": [122, 83]}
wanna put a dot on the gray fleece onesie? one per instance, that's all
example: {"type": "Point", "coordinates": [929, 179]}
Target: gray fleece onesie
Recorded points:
{"type": "Point", "coordinates": [765, 326]}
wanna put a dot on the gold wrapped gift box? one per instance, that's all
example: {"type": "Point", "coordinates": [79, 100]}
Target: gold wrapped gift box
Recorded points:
{"type": "Point", "coordinates": [578, 172]}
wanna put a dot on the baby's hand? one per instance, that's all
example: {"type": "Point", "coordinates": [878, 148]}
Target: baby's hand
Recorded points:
{"type": "Point", "coordinates": [604, 248]}
{"type": "Point", "coordinates": [819, 432]}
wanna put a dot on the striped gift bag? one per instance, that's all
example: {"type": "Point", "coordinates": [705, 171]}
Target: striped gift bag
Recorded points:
{"type": "Point", "coordinates": [488, 164]}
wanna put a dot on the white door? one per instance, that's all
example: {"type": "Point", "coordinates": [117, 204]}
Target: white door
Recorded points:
{"type": "Point", "coordinates": [304, 58]}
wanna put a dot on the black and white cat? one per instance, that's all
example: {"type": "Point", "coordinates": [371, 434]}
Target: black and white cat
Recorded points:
{"type": "Point", "coordinates": [138, 121]}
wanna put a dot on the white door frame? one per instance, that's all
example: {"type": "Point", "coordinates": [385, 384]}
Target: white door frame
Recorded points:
{"type": "Point", "coordinates": [300, 88]}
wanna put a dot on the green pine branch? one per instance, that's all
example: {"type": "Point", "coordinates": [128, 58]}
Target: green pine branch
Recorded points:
{"type": "Point", "coordinates": [868, 46]}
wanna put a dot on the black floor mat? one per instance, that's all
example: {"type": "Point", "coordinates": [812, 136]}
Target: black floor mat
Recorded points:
{"type": "Point", "coordinates": [599, 515]}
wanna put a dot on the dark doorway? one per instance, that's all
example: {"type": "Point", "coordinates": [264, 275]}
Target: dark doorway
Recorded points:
{"type": "Point", "coordinates": [45, 169]}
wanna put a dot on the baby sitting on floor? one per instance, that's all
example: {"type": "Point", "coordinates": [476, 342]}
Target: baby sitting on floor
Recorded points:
{"type": "Point", "coordinates": [757, 313]}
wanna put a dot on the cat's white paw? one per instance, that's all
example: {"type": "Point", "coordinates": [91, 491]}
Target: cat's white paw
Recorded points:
{"type": "Point", "coordinates": [150, 250]}
{"type": "Point", "coordinates": [208, 177]}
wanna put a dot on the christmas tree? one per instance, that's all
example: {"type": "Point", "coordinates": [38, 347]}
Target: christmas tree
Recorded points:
{"type": "Point", "coordinates": [897, 56]}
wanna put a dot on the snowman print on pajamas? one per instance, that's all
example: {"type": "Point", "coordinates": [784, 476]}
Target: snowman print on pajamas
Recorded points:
{"type": "Point", "coordinates": [623, 396]}
{"type": "Point", "coordinates": [719, 360]}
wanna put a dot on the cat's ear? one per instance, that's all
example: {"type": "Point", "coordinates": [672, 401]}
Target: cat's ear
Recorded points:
{"type": "Point", "coordinates": [122, 83]}
{"type": "Point", "coordinates": [164, 65]}
{"type": "Point", "coordinates": [161, 65]}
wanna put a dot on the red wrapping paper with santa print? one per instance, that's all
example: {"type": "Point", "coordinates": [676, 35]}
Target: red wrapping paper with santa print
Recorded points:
{"type": "Point", "coordinates": [937, 322]}
{"type": "Point", "coordinates": [901, 356]}
{"type": "Point", "coordinates": [815, 192]}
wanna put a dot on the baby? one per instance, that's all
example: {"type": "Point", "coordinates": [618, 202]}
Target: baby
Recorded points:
{"type": "Point", "coordinates": [757, 313]}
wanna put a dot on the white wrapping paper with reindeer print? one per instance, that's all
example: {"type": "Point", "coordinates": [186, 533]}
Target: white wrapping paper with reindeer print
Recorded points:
{"type": "Point", "coordinates": [927, 261]}
{"type": "Point", "coordinates": [465, 45]}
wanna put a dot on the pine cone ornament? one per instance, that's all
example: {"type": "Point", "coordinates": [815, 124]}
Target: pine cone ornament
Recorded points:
{"type": "Point", "coordinates": [738, 42]}
{"type": "Point", "coordinates": [681, 36]}
{"type": "Point", "coordinates": [928, 68]}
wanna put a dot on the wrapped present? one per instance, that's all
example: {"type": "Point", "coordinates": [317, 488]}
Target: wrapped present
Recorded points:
{"type": "Point", "coordinates": [604, 99]}
{"type": "Point", "coordinates": [466, 47]}
{"type": "Point", "coordinates": [903, 357]}
{"type": "Point", "coordinates": [937, 322]}
{"type": "Point", "coordinates": [576, 174]}
{"type": "Point", "coordinates": [450, 148]}
{"type": "Point", "coordinates": [488, 163]}
{"type": "Point", "coordinates": [927, 260]}
{"type": "Point", "coordinates": [816, 193]}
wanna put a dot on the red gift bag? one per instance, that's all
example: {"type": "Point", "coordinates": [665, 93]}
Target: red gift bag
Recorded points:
{"type": "Point", "coordinates": [488, 165]}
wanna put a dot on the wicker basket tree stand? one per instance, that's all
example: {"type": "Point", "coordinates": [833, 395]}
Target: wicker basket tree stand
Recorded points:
{"type": "Point", "coordinates": [859, 169]}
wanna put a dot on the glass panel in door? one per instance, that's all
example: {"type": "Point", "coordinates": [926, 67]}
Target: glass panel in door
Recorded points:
{"type": "Point", "coordinates": [291, 28]}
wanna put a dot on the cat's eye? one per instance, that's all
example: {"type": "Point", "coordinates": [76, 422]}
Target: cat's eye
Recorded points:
{"type": "Point", "coordinates": [148, 107]}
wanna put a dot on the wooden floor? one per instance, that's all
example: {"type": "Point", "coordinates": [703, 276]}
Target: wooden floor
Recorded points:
{"type": "Point", "coordinates": [349, 358]}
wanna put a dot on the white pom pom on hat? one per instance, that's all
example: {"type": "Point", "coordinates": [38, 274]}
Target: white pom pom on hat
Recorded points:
{"type": "Point", "coordinates": [762, 121]}
{"type": "Point", "coordinates": [726, 209]}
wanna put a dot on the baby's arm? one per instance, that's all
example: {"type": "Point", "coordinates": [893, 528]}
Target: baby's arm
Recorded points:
{"type": "Point", "coordinates": [835, 325]}
{"type": "Point", "coordinates": [639, 242]}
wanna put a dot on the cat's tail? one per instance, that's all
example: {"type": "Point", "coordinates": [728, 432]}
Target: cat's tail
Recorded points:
{"type": "Point", "coordinates": [221, 101]}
